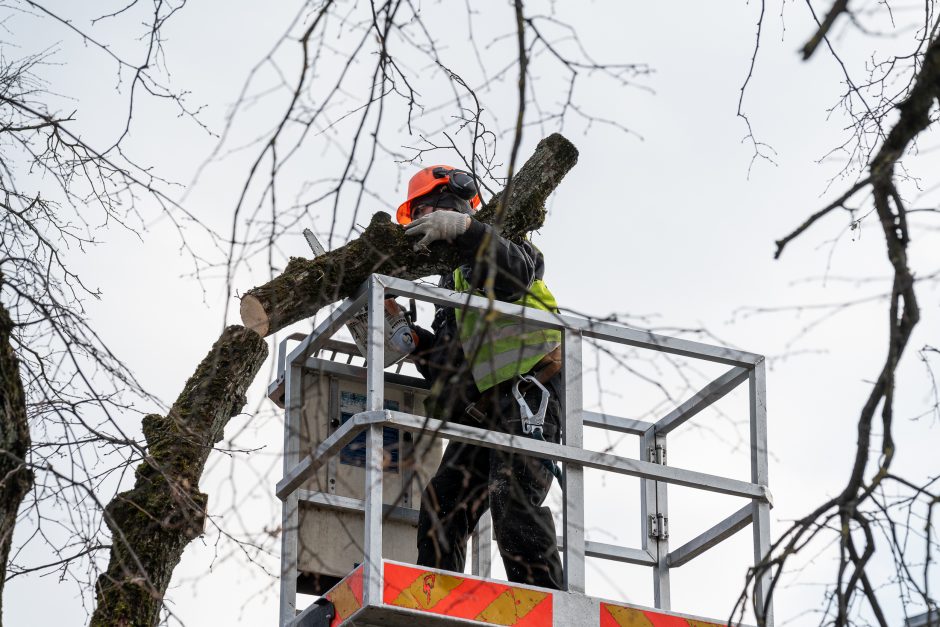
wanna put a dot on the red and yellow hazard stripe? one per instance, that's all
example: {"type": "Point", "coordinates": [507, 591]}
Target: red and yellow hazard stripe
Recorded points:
{"type": "Point", "coordinates": [490, 602]}
{"type": "Point", "coordinates": [465, 597]}
{"type": "Point", "coordinates": [613, 615]}
{"type": "Point", "coordinates": [346, 596]}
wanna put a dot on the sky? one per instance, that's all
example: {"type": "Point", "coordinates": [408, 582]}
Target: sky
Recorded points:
{"type": "Point", "coordinates": [670, 224]}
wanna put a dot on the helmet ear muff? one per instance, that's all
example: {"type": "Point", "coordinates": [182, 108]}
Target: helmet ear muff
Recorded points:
{"type": "Point", "coordinates": [459, 183]}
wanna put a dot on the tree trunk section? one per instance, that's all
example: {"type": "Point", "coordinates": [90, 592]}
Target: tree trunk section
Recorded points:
{"type": "Point", "coordinates": [152, 523]}
{"type": "Point", "coordinates": [307, 285]}
{"type": "Point", "coordinates": [15, 478]}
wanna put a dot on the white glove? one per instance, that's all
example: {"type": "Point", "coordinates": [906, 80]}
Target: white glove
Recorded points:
{"type": "Point", "coordinates": [439, 225]}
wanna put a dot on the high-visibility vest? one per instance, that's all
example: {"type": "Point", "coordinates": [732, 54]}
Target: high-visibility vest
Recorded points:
{"type": "Point", "coordinates": [500, 347]}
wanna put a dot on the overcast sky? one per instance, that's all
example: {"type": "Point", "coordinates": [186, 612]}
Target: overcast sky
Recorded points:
{"type": "Point", "coordinates": [669, 225]}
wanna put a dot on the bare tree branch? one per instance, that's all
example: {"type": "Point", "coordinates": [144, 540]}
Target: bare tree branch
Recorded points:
{"type": "Point", "coordinates": [903, 316]}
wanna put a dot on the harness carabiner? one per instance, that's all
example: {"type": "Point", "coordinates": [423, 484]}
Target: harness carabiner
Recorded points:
{"type": "Point", "coordinates": [532, 424]}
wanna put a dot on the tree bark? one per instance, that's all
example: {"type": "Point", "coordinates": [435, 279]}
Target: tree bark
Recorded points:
{"type": "Point", "coordinates": [152, 523]}
{"type": "Point", "coordinates": [15, 478]}
{"type": "Point", "coordinates": [307, 285]}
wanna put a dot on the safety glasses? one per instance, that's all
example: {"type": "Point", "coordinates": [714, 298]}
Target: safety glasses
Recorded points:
{"type": "Point", "coordinates": [419, 211]}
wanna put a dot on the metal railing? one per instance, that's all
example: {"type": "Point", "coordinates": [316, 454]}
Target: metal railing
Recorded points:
{"type": "Point", "coordinates": [654, 474]}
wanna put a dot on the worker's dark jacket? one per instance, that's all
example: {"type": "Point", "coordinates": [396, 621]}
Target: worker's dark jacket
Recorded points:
{"type": "Point", "coordinates": [471, 479]}
{"type": "Point", "coordinates": [440, 356]}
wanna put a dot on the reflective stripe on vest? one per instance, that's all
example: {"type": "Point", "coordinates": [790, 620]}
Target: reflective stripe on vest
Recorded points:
{"type": "Point", "coordinates": [501, 347]}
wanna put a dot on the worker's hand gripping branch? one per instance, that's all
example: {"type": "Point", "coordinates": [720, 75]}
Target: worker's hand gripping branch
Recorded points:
{"type": "Point", "coordinates": [439, 225]}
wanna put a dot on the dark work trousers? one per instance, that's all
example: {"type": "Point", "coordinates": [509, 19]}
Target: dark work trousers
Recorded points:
{"type": "Point", "coordinates": [471, 479]}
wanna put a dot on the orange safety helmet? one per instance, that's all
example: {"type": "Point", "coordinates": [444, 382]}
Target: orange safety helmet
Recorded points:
{"type": "Point", "coordinates": [427, 180]}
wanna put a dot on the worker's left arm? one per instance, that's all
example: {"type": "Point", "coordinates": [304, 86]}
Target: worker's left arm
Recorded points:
{"type": "Point", "coordinates": [516, 265]}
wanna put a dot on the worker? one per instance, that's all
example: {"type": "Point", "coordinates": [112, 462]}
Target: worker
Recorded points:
{"type": "Point", "coordinates": [473, 362]}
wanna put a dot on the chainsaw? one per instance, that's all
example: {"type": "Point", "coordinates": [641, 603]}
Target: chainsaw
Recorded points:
{"type": "Point", "coordinates": [400, 337]}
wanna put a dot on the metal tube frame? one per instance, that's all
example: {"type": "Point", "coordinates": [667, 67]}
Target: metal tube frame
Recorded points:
{"type": "Point", "coordinates": [651, 466]}
{"type": "Point", "coordinates": [375, 462]}
{"type": "Point", "coordinates": [290, 516]}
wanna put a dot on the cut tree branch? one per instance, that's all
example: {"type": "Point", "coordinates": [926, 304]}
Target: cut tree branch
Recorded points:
{"type": "Point", "coordinates": [307, 285]}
